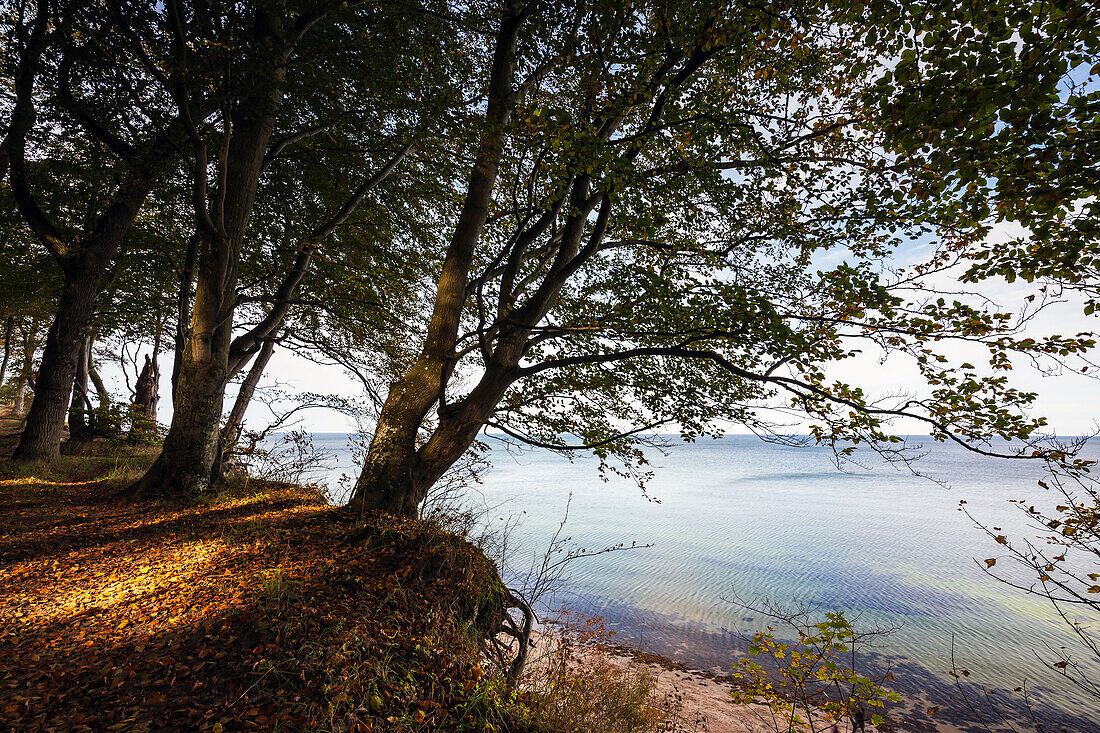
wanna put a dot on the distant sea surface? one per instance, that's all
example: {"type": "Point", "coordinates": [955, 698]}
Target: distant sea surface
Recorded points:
{"type": "Point", "coordinates": [737, 519]}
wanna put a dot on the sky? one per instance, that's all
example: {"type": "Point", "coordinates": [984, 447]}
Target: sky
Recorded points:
{"type": "Point", "coordinates": [1069, 400]}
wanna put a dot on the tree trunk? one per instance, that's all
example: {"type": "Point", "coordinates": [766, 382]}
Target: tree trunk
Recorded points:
{"type": "Point", "coordinates": [145, 391]}
{"type": "Point", "coordinates": [9, 326]}
{"type": "Point", "coordinates": [190, 448]}
{"type": "Point", "coordinates": [41, 438]}
{"type": "Point", "coordinates": [231, 432]}
{"type": "Point", "coordinates": [80, 427]}
{"type": "Point", "coordinates": [387, 481]}
{"type": "Point", "coordinates": [23, 379]}
{"type": "Point", "coordinates": [183, 309]}
{"type": "Point", "coordinates": [397, 475]}
{"type": "Point", "coordinates": [102, 395]}
{"type": "Point", "coordinates": [19, 401]}
{"type": "Point", "coordinates": [395, 478]}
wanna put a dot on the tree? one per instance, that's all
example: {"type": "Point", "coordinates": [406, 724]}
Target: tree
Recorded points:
{"type": "Point", "coordinates": [655, 189]}
{"type": "Point", "coordinates": [818, 681]}
{"type": "Point", "coordinates": [9, 332]}
{"type": "Point", "coordinates": [297, 75]}
{"type": "Point", "coordinates": [31, 332]}
{"type": "Point", "coordinates": [81, 411]}
{"type": "Point", "coordinates": [81, 89]}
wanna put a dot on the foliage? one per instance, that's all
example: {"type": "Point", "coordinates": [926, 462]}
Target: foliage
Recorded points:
{"type": "Point", "coordinates": [813, 682]}
{"type": "Point", "coordinates": [718, 194]}
{"type": "Point", "coordinates": [709, 194]}
{"type": "Point", "coordinates": [996, 106]}
{"type": "Point", "coordinates": [28, 283]}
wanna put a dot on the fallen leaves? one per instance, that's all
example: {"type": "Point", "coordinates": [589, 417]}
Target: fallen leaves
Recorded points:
{"type": "Point", "coordinates": [240, 614]}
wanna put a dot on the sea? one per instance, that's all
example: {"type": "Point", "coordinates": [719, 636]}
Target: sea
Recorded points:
{"type": "Point", "coordinates": [730, 533]}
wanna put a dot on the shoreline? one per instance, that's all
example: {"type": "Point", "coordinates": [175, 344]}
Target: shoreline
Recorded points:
{"type": "Point", "coordinates": [703, 696]}
{"type": "Point", "coordinates": [706, 693]}
{"type": "Point", "coordinates": [908, 716]}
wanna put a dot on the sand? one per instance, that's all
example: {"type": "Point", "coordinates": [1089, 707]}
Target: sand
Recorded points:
{"type": "Point", "coordinates": [704, 696]}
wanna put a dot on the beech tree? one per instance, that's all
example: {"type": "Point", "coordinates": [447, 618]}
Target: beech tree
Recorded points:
{"type": "Point", "coordinates": [681, 215]}
{"type": "Point", "coordinates": [81, 98]}
{"type": "Point", "coordinates": [301, 75]}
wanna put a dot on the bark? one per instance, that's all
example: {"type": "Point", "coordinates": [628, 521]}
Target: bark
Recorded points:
{"type": "Point", "coordinates": [9, 326]}
{"type": "Point", "coordinates": [386, 482]}
{"type": "Point", "coordinates": [154, 397]}
{"type": "Point", "coordinates": [397, 476]}
{"type": "Point", "coordinates": [80, 426]}
{"type": "Point", "coordinates": [183, 309]}
{"type": "Point", "coordinates": [190, 448]}
{"type": "Point", "coordinates": [394, 476]}
{"type": "Point", "coordinates": [147, 388]}
{"type": "Point", "coordinates": [41, 437]}
{"type": "Point", "coordinates": [398, 473]}
{"type": "Point", "coordinates": [231, 431]}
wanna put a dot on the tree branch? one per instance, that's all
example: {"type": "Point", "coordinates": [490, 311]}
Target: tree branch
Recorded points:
{"type": "Point", "coordinates": [117, 145]}
{"type": "Point", "coordinates": [791, 385]}
{"type": "Point", "coordinates": [584, 446]}
{"type": "Point", "coordinates": [15, 142]}
{"type": "Point", "coordinates": [248, 343]}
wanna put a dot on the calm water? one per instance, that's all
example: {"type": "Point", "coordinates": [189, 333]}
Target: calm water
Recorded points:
{"type": "Point", "coordinates": [740, 518]}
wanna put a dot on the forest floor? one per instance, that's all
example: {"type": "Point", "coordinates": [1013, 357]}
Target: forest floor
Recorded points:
{"type": "Point", "coordinates": [259, 608]}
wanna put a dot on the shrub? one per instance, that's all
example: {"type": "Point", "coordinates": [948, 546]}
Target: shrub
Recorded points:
{"type": "Point", "coordinates": [815, 682]}
{"type": "Point", "coordinates": [574, 686]}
